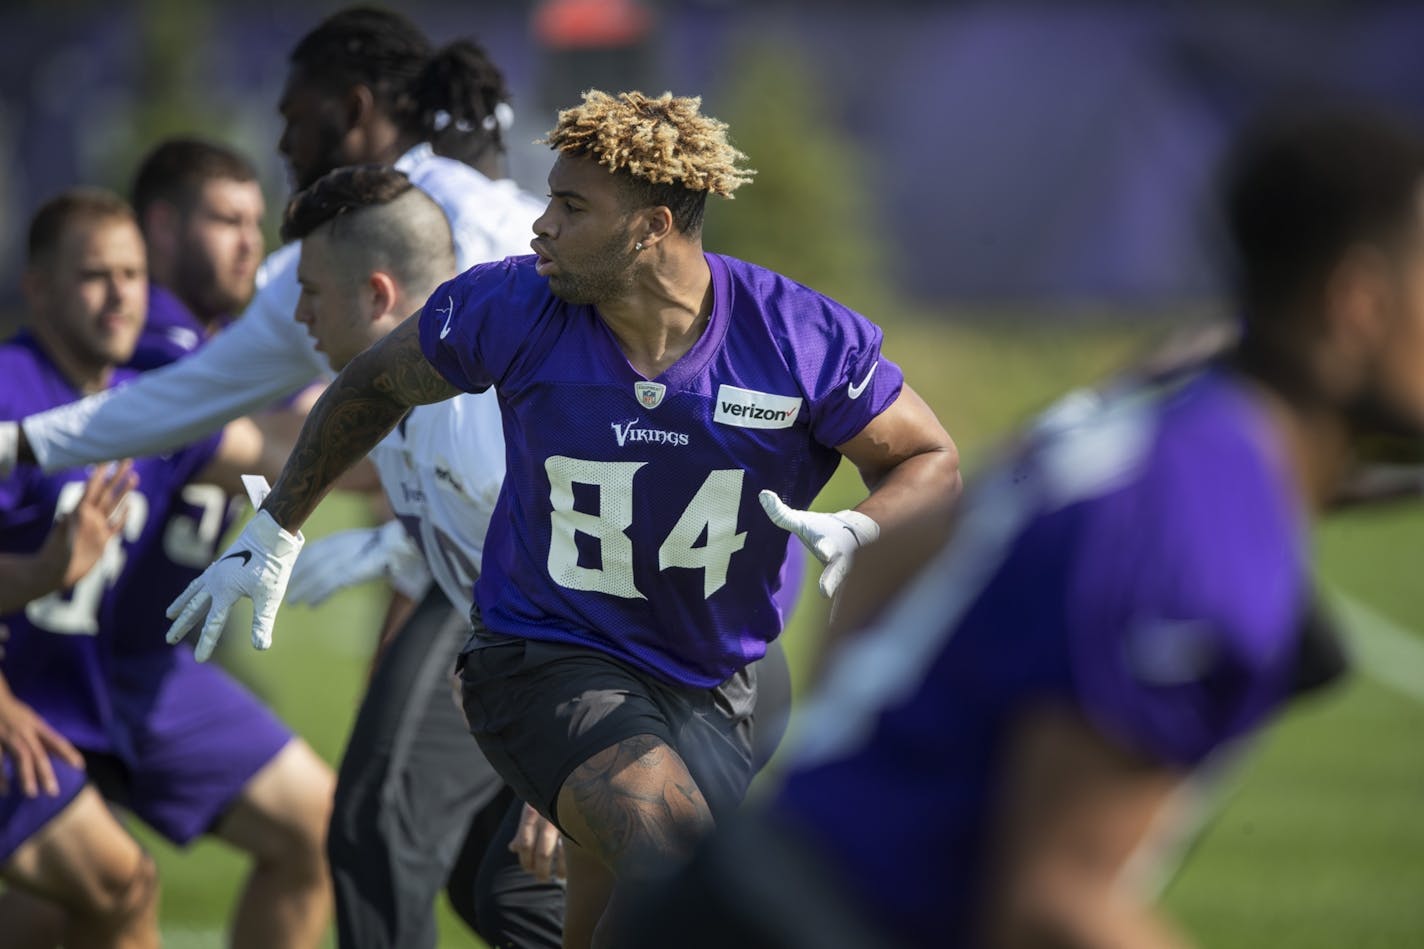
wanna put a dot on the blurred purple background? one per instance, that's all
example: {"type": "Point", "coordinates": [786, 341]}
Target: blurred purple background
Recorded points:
{"type": "Point", "coordinates": [1011, 152]}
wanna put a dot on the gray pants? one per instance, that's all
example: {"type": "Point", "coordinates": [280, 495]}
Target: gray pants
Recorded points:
{"type": "Point", "coordinates": [419, 808]}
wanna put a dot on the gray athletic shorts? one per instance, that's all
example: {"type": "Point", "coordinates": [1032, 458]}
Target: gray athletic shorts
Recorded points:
{"type": "Point", "coordinates": [539, 710]}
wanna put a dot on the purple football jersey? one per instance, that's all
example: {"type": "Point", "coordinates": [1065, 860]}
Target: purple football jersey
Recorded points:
{"type": "Point", "coordinates": [1142, 559]}
{"type": "Point", "coordinates": [198, 514]}
{"type": "Point", "coordinates": [55, 659]}
{"type": "Point", "coordinates": [629, 521]}
{"type": "Point", "coordinates": [170, 331]}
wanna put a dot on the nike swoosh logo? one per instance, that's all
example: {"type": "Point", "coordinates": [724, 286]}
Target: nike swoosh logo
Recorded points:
{"type": "Point", "coordinates": [855, 391]}
{"type": "Point", "coordinates": [449, 311]}
{"type": "Point", "coordinates": [245, 556]}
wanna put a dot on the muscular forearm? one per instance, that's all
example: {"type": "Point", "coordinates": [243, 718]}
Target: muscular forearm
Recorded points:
{"type": "Point", "coordinates": [357, 410]}
{"type": "Point", "coordinates": [241, 370]}
{"type": "Point", "coordinates": [350, 418]}
{"type": "Point", "coordinates": [26, 577]}
{"type": "Point", "coordinates": [930, 479]}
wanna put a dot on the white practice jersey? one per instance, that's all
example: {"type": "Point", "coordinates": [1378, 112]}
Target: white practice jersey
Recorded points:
{"type": "Point", "coordinates": [266, 355]}
{"type": "Point", "coordinates": [442, 468]}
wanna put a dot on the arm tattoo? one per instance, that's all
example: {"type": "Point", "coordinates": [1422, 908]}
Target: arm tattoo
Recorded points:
{"type": "Point", "coordinates": [366, 400]}
{"type": "Point", "coordinates": [640, 805]}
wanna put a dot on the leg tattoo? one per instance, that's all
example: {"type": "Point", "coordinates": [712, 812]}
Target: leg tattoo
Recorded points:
{"type": "Point", "coordinates": [635, 806]}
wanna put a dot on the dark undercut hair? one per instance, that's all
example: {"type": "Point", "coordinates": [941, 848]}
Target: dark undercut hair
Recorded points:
{"type": "Point", "coordinates": [55, 215]}
{"type": "Point", "coordinates": [450, 97]}
{"type": "Point", "coordinates": [687, 207]}
{"type": "Point", "coordinates": [176, 170]}
{"type": "Point", "coordinates": [1301, 190]}
{"type": "Point", "coordinates": [376, 219]}
{"type": "Point", "coordinates": [342, 192]}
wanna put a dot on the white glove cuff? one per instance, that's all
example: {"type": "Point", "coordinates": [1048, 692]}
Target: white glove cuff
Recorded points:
{"type": "Point", "coordinates": [265, 531]}
{"type": "Point", "coordinates": [864, 529]}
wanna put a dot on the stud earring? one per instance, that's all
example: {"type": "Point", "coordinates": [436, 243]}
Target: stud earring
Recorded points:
{"type": "Point", "coordinates": [638, 246]}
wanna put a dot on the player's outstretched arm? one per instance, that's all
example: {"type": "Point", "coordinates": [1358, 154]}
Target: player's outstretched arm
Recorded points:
{"type": "Point", "coordinates": [358, 409]}
{"type": "Point", "coordinates": [365, 402]}
{"type": "Point", "coordinates": [910, 464]}
{"type": "Point", "coordinates": [259, 359]}
{"type": "Point", "coordinates": [906, 459]}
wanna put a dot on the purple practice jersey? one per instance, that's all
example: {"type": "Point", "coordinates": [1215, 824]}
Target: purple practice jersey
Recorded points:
{"type": "Point", "coordinates": [170, 331]}
{"type": "Point", "coordinates": [55, 657]}
{"type": "Point", "coordinates": [1142, 559]}
{"type": "Point", "coordinates": [629, 521]}
{"type": "Point", "coordinates": [198, 514]}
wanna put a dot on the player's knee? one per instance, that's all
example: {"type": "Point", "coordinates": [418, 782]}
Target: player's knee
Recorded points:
{"type": "Point", "coordinates": [121, 896]}
{"type": "Point", "coordinates": [301, 841]}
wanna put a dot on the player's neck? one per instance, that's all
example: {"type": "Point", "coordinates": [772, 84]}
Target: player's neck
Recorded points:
{"type": "Point", "coordinates": [665, 311]}
{"type": "Point", "coordinates": [164, 278]}
{"type": "Point", "coordinates": [86, 377]}
{"type": "Point", "coordinates": [1317, 437]}
{"type": "Point", "coordinates": [384, 143]}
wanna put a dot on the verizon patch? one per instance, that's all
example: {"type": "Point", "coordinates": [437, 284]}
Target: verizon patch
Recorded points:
{"type": "Point", "coordinates": [748, 408]}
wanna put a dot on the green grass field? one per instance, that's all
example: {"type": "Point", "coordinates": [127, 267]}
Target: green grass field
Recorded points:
{"type": "Point", "coordinates": [1320, 842]}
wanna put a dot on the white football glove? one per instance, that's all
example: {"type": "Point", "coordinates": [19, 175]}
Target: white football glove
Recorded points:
{"type": "Point", "coordinates": [257, 565]}
{"type": "Point", "coordinates": [347, 558]}
{"type": "Point", "coordinates": [9, 447]}
{"type": "Point", "coordinates": [833, 538]}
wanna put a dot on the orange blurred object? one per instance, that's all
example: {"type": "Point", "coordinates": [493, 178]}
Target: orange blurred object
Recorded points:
{"type": "Point", "coordinates": [591, 24]}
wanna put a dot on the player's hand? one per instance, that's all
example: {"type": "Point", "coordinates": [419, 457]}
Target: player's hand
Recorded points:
{"type": "Point", "coordinates": [9, 447]}
{"type": "Point", "coordinates": [347, 558]}
{"type": "Point", "coordinates": [27, 741]}
{"type": "Point", "coordinates": [833, 538]}
{"type": "Point", "coordinates": [539, 845]}
{"type": "Point", "coordinates": [78, 539]}
{"type": "Point", "coordinates": [257, 565]}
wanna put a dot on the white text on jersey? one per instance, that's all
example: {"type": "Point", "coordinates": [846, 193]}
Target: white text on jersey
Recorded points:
{"type": "Point", "coordinates": [629, 433]}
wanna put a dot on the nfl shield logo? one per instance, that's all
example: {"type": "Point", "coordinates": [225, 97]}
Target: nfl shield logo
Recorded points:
{"type": "Point", "coordinates": [650, 394]}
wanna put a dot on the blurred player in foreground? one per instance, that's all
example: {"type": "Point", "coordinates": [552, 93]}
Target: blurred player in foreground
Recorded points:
{"type": "Point", "coordinates": [83, 655]}
{"type": "Point", "coordinates": [1122, 600]}
{"type": "Point", "coordinates": [661, 407]}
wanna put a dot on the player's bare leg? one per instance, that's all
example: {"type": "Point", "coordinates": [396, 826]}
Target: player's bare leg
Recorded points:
{"type": "Point", "coordinates": [633, 809]}
{"type": "Point", "coordinates": [85, 862]}
{"type": "Point", "coordinates": [280, 820]}
{"type": "Point", "coordinates": [31, 921]}
{"type": "Point", "coordinates": [588, 888]}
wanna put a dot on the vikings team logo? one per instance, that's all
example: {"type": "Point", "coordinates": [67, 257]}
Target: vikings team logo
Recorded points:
{"type": "Point", "coordinates": [650, 394]}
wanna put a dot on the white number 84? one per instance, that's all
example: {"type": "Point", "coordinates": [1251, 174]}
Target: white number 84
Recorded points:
{"type": "Point", "coordinates": [713, 509]}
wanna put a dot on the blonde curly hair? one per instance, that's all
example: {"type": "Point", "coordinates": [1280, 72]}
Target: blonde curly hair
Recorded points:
{"type": "Point", "coordinates": [663, 140]}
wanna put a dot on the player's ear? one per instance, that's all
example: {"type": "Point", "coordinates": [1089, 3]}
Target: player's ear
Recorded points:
{"type": "Point", "coordinates": [359, 104]}
{"type": "Point", "coordinates": [1359, 295]}
{"type": "Point", "coordinates": [1358, 299]}
{"type": "Point", "coordinates": [658, 224]}
{"type": "Point", "coordinates": [384, 296]}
